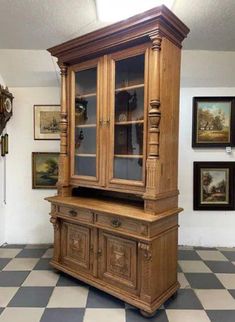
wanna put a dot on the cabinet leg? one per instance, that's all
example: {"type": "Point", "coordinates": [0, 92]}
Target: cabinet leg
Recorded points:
{"type": "Point", "coordinates": [147, 314]}
{"type": "Point", "coordinates": [174, 296]}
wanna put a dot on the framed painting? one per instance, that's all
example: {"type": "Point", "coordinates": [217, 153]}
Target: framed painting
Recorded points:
{"type": "Point", "coordinates": [214, 185]}
{"type": "Point", "coordinates": [44, 170]}
{"type": "Point", "coordinates": [46, 122]}
{"type": "Point", "coordinates": [213, 122]}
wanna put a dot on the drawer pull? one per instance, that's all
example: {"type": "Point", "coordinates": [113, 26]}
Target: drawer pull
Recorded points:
{"type": "Point", "coordinates": [73, 213]}
{"type": "Point", "coordinates": [115, 223]}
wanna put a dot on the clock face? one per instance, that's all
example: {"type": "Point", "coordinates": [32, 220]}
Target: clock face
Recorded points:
{"type": "Point", "coordinates": [8, 105]}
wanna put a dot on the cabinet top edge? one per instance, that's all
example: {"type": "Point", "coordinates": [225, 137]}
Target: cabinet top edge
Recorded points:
{"type": "Point", "coordinates": [112, 208]}
{"type": "Point", "coordinates": [132, 30]}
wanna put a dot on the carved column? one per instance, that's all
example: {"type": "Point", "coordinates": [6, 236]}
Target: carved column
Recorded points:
{"type": "Point", "coordinates": [57, 248]}
{"type": "Point", "coordinates": [145, 253]}
{"type": "Point", "coordinates": [154, 117]}
{"type": "Point", "coordinates": [63, 181]}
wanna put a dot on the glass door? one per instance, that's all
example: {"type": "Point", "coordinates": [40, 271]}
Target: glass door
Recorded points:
{"type": "Point", "coordinates": [85, 136]}
{"type": "Point", "coordinates": [127, 155]}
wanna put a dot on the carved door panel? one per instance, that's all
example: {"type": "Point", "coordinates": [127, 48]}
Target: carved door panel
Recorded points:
{"type": "Point", "coordinates": [118, 261]}
{"type": "Point", "coordinates": [77, 245]}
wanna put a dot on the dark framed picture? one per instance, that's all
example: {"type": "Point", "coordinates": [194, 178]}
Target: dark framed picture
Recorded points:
{"type": "Point", "coordinates": [46, 122]}
{"type": "Point", "coordinates": [44, 170]}
{"type": "Point", "coordinates": [214, 185]}
{"type": "Point", "coordinates": [213, 122]}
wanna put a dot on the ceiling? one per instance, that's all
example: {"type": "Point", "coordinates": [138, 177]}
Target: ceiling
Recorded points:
{"type": "Point", "coordinates": [28, 27]}
{"type": "Point", "coordinates": [39, 24]}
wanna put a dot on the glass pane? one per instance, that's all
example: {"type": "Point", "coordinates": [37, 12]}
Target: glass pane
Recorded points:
{"type": "Point", "coordinates": [85, 166]}
{"type": "Point", "coordinates": [128, 168]}
{"type": "Point", "coordinates": [86, 81]}
{"type": "Point", "coordinates": [129, 139]}
{"type": "Point", "coordinates": [85, 140]}
{"type": "Point", "coordinates": [85, 110]}
{"type": "Point", "coordinates": [129, 118]}
{"type": "Point", "coordinates": [130, 71]}
{"type": "Point", "coordinates": [85, 122]}
{"type": "Point", "coordinates": [129, 105]}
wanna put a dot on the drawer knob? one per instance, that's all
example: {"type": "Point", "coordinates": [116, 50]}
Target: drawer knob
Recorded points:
{"type": "Point", "coordinates": [115, 223]}
{"type": "Point", "coordinates": [73, 213]}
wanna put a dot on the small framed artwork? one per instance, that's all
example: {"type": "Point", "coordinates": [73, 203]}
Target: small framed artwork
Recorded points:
{"type": "Point", "coordinates": [46, 122]}
{"type": "Point", "coordinates": [44, 170]}
{"type": "Point", "coordinates": [214, 185]}
{"type": "Point", "coordinates": [213, 122]}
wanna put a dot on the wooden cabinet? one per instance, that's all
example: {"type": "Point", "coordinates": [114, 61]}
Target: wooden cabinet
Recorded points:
{"type": "Point", "coordinates": [116, 214]}
{"type": "Point", "coordinates": [118, 261]}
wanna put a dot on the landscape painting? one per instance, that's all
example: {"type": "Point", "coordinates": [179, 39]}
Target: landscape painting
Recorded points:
{"type": "Point", "coordinates": [45, 170]}
{"type": "Point", "coordinates": [46, 122]}
{"type": "Point", "coordinates": [213, 185]}
{"type": "Point", "coordinates": [212, 122]}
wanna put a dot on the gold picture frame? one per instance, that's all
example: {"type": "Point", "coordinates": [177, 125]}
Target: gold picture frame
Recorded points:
{"type": "Point", "coordinates": [46, 122]}
{"type": "Point", "coordinates": [45, 170]}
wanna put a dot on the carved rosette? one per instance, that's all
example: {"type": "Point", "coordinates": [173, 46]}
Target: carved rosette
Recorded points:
{"type": "Point", "coordinates": [146, 251]}
{"type": "Point", "coordinates": [55, 223]}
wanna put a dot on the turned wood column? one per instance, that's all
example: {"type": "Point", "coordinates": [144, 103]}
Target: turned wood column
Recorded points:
{"type": "Point", "coordinates": [63, 180]}
{"type": "Point", "coordinates": [154, 118]}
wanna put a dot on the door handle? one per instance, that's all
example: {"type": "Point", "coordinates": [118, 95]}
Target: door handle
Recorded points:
{"type": "Point", "coordinates": [73, 213]}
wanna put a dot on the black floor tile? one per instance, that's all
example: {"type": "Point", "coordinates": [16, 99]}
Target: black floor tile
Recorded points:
{"type": "Point", "coordinates": [203, 281]}
{"type": "Point", "coordinates": [4, 262]}
{"type": "Point", "coordinates": [229, 255]}
{"type": "Point", "coordinates": [221, 316]}
{"type": "Point", "coordinates": [1, 310]}
{"type": "Point", "coordinates": [185, 299]}
{"type": "Point", "coordinates": [31, 297]}
{"type": "Point", "coordinates": [99, 299]}
{"type": "Point", "coordinates": [31, 253]}
{"type": "Point", "coordinates": [13, 246]}
{"type": "Point", "coordinates": [66, 280]}
{"type": "Point", "coordinates": [188, 255]}
{"type": "Point", "coordinates": [10, 278]}
{"type": "Point", "coordinates": [63, 315]}
{"type": "Point", "coordinates": [220, 267]}
{"type": "Point", "coordinates": [232, 292]}
{"type": "Point", "coordinates": [43, 264]}
{"type": "Point", "coordinates": [135, 316]}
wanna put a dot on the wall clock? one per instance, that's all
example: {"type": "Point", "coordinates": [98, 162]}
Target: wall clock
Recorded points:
{"type": "Point", "coordinates": [6, 100]}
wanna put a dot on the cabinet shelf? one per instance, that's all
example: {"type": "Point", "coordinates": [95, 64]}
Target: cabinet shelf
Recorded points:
{"type": "Point", "coordinates": [85, 125]}
{"type": "Point", "coordinates": [129, 156]}
{"type": "Point", "coordinates": [129, 122]}
{"type": "Point", "coordinates": [86, 155]}
{"type": "Point", "coordinates": [129, 87]}
{"type": "Point", "coordinates": [86, 95]}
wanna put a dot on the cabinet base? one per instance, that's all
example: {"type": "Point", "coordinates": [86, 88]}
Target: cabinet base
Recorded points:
{"type": "Point", "coordinates": [149, 309]}
{"type": "Point", "coordinates": [147, 314]}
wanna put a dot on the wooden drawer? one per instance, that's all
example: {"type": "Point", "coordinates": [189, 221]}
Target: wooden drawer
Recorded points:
{"type": "Point", "coordinates": [122, 224]}
{"type": "Point", "coordinates": [82, 215]}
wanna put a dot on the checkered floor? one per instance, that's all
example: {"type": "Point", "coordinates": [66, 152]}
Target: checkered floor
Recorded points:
{"type": "Point", "coordinates": [30, 291]}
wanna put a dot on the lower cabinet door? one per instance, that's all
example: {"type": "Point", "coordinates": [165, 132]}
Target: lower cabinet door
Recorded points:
{"type": "Point", "coordinates": [76, 247]}
{"type": "Point", "coordinates": [118, 261]}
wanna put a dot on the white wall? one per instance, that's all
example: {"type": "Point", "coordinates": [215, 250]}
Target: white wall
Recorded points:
{"type": "Point", "coordinates": [203, 73]}
{"type": "Point", "coordinates": [27, 219]}
{"type": "Point", "coordinates": [2, 208]}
